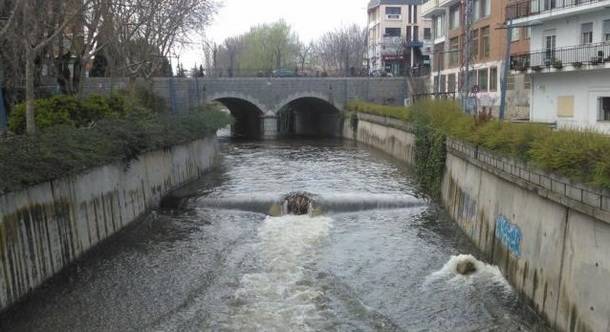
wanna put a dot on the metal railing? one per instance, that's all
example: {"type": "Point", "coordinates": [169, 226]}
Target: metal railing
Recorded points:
{"type": "Point", "coordinates": [553, 185]}
{"type": "Point", "coordinates": [591, 54]}
{"type": "Point", "coordinates": [525, 8]}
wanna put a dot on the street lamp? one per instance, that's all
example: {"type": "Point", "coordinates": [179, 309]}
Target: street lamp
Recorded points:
{"type": "Point", "coordinates": [3, 115]}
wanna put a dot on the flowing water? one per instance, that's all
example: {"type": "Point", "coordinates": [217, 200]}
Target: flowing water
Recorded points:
{"type": "Point", "coordinates": [375, 257]}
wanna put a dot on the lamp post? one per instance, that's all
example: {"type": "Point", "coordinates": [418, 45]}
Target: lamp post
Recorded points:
{"type": "Point", "coordinates": [3, 114]}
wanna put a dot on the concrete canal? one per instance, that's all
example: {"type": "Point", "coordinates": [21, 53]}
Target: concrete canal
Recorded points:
{"type": "Point", "coordinates": [373, 255]}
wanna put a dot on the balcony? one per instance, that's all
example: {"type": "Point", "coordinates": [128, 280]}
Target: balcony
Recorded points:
{"type": "Point", "coordinates": [528, 11]}
{"type": "Point", "coordinates": [431, 8]}
{"type": "Point", "coordinates": [447, 3]}
{"type": "Point", "coordinates": [590, 56]}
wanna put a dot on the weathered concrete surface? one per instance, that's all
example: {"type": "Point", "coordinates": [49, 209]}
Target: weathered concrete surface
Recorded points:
{"type": "Point", "coordinates": [388, 135]}
{"type": "Point", "coordinates": [269, 95]}
{"type": "Point", "coordinates": [46, 227]}
{"type": "Point", "coordinates": [556, 256]}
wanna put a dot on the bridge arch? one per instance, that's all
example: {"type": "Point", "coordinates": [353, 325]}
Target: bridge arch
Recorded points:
{"type": "Point", "coordinates": [248, 113]}
{"type": "Point", "coordinates": [309, 115]}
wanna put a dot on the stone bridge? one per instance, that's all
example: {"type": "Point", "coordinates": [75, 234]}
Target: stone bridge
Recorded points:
{"type": "Point", "coordinates": [267, 107]}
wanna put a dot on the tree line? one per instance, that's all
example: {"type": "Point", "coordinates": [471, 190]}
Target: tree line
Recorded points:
{"type": "Point", "coordinates": [275, 46]}
{"type": "Point", "coordinates": [62, 40]}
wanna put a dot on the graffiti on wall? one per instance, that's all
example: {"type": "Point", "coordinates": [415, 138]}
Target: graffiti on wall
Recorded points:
{"type": "Point", "coordinates": [509, 234]}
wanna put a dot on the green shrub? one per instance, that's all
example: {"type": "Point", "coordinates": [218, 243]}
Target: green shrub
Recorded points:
{"type": "Point", "coordinates": [580, 155]}
{"type": "Point", "coordinates": [54, 111]}
{"type": "Point", "coordinates": [63, 150]}
{"type": "Point", "coordinates": [576, 154]}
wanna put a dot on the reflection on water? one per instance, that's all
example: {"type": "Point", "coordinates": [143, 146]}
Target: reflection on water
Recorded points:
{"type": "Point", "coordinates": [380, 258]}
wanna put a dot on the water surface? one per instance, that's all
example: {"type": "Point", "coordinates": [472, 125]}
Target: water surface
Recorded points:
{"type": "Point", "coordinates": [229, 267]}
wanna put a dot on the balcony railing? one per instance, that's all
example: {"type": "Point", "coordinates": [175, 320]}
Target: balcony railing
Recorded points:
{"type": "Point", "coordinates": [590, 54]}
{"type": "Point", "coordinates": [525, 8]}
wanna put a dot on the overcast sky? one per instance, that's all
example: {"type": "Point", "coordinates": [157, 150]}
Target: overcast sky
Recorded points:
{"type": "Point", "coordinates": [309, 19]}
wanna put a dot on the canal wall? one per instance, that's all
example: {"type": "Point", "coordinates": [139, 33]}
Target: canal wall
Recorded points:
{"type": "Point", "coordinates": [46, 227]}
{"type": "Point", "coordinates": [550, 237]}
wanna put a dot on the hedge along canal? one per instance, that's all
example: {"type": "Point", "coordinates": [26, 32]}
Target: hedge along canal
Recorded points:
{"type": "Point", "coordinates": [549, 236]}
{"type": "Point", "coordinates": [46, 226]}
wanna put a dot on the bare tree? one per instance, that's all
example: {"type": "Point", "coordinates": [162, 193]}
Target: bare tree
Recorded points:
{"type": "Point", "coordinates": [304, 54]}
{"type": "Point", "coordinates": [343, 49]}
{"type": "Point", "coordinates": [35, 24]}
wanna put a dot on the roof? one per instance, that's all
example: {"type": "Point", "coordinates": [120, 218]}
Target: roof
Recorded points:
{"type": "Point", "coordinates": [376, 3]}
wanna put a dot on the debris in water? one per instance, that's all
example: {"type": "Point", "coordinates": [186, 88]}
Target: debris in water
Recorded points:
{"type": "Point", "coordinates": [299, 204]}
{"type": "Point", "coordinates": [466, 267]}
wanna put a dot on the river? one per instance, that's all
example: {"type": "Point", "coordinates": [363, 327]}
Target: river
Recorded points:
{"type": "Point", "coordinates": [379, 258]}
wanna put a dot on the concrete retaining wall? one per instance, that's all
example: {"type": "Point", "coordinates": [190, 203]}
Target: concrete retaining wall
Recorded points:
{"type": "Point", "coordinates": [550, 238]}
{"type": "Point", "coordinates": [46, 227]}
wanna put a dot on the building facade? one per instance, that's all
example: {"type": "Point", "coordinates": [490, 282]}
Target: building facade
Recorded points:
{"type": "Point", "coordinates": [470, 36]}
{"type": "Point", "coordinates": [569, 60]}
{"type": "Point", "coordinates": [398, 38]}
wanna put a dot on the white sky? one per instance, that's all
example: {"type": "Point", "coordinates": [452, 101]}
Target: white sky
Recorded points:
{"type": "Point", "coordinates": [308, 18]}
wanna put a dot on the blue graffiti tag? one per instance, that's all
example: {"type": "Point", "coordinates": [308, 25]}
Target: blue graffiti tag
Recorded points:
{"type": "Point", "coordinates": [509, 234]}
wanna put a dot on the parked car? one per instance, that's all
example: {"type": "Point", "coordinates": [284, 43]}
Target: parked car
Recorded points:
{"type": "Point", "coordinates": [283, 73]}
{"type": "Point", "coordinates": [381, 73]}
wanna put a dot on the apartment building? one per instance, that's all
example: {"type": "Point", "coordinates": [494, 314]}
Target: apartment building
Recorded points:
{"type": "Point", "coordinates": [399, 37]}
{"type": "Point", "coordinates": [569, 60]}
{"type": "Point", "coordinates": [483, 53]}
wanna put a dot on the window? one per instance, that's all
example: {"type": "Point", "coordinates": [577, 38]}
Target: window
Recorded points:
{"type": "Point", "coordinates": [550, 43]}
{"type": "Point", "coordinates": [515, 35]}
{"type": "Point", "coordinates": [472, 79]}
{"type": "Point", "coordinates": [393, 10]}
{"type": "Point", "coordinates": [527, 32]}
{"type": "Point", "coordinates": [415, 32]}
{"type": "Point", "coordinates": [451, 83]}
{"type": "Point", "coordinates": [454, 45]}
{"type": "Point", "coordinates": [510, 83]}
{"type": "Point", "coordinates": [474, 44]}
{"type": "Point", "coordinates": [586, 33]}
{"type": "Point", "coordinates": [607, 30]}
{"type": "Point", "coordinates": [485, 42]}
{"type": "Point", "coordinates": [436, 87]}
{"type": "Point", "coordinates": [483, 80]}
{"type": "Point", "coordinates": [427, 34]}
{"type": "Point", "coordinates": [604, 109]}
{"type": "Point", "coordinates": [454, 17]}
{"type": "Point", "coordinates": [493, 79]}
{"type": "Point", "coordinates": [476, 10]}
{"type": "Point", "coordinates": [443, 83]}
{"type": "Point", "coordinates": [392, 32]}
{"type": "Point", "coordinates": [485, 8]}
{"type": "Point", "coordinates": [527, 83]}
{"type": "Point", "coordinates": [438, 26]}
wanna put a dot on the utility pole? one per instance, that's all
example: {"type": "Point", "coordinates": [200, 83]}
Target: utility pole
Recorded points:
{"type": "Point", "coordinates": [467, 21]}
{"type": "Point", "coordinates": [3, 114]}
{"type": "Point", "coordinates": [506, 70]}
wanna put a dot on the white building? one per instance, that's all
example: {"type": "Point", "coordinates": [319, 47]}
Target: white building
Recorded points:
{"type": "Point", "coordinates": [569, 61]}
{"type": "Point", "coordinates": [399, 37]}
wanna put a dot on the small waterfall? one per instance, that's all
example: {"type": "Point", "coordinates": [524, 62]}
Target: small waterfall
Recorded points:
{"type": "Point", "coordinates": [304, 203]}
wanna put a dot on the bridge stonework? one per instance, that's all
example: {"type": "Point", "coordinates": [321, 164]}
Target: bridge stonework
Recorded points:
{"type": "Point", "coordinates": [269, 95]}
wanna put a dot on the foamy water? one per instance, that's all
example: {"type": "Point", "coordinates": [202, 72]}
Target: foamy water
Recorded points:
{"type": "Point", "coordinates": [282, 294]}
{"type": "Point", "coordinates": [485, 273]}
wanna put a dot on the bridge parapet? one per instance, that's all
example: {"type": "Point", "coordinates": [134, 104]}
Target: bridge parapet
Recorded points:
{"type": "Point", "coordinates": [269, 94]}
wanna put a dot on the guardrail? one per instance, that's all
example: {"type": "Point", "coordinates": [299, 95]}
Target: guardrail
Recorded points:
{"type": "Point", "coordinates": [525, 8]}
